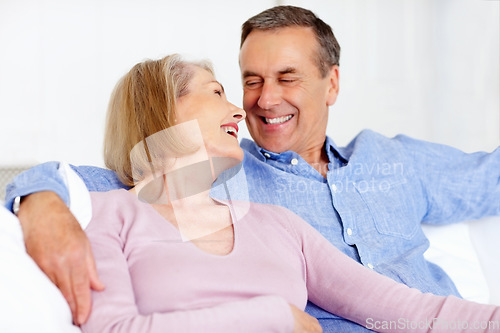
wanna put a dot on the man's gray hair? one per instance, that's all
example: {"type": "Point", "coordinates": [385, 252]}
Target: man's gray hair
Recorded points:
{"type": "Point", "coordinates": [290, 16]}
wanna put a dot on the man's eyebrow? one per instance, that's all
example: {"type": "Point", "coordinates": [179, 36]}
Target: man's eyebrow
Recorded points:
{"type": "Point", "coordinates": [248, 73]}
{"type": "Point", "coordinates": [287, 70]}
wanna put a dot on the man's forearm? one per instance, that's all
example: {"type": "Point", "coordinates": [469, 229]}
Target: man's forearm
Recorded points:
{"type": "Point", "coordinates": [57, 243]}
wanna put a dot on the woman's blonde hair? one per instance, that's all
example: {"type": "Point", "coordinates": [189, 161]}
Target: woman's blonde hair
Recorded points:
{"type": "Point", "coordinates": [143, 103]}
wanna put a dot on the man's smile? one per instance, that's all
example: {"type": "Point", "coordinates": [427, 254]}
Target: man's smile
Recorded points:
{"type": "Point", "coordinates": [277, 120]}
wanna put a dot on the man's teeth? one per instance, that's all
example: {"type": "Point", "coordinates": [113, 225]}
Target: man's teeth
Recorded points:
{"type": "Point", "coordinates": [279, 120]}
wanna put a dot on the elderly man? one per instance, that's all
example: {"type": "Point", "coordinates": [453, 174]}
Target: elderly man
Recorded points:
{"type": "Point", "coordinates": [368, 198]}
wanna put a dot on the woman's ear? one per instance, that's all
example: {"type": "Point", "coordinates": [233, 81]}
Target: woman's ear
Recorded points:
{"type": "Point", "coordinates": [333, 85]}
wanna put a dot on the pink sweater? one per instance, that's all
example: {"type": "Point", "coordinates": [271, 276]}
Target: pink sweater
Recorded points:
{"type": "Point", "coordinates": [155, 282]}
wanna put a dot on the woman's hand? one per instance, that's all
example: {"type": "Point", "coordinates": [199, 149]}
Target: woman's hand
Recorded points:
{"type": "Point", "coordinates": [59, 246]}
{"type": "Point", "coordinates": [303, 322]}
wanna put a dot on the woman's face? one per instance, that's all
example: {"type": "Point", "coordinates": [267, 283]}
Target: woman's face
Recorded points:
{"type": "Point", "coordinates": [216, 117]}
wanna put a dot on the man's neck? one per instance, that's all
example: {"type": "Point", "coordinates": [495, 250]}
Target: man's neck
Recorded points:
{"type": "Point", "coordinates": [317, 158]}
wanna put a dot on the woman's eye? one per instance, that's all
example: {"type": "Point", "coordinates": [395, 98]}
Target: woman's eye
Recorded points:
{"type": "Point", "coordinates": [218, 92]}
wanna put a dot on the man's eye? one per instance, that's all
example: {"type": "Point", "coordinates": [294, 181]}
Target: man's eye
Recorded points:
{"type": "Point", "coordinates": [253, 84]}
{"type": "Point", "coordinates": [287, 80]}
{"type": "Point", "coordinates": [218, 92]}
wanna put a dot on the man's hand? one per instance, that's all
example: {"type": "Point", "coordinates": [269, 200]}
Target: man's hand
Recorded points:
{"type": "Point", "coordinates": [303, 322]}
{"type": "Point", "coordinates": [57, 243]}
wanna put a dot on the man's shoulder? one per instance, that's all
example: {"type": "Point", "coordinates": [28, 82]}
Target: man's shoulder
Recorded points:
{"type": "Point", "coordinates": [98, 179]}
{"type": "Point", "coordinates": [369, 141]}
{"type": "Point", "coordinates": [94, 172]}
{"type": "Point", "coordinates": [373, 137]}
{"type": "Point", "coordinates": [368, 135]}
{"type": "Point", "coordinates": [371, 144]}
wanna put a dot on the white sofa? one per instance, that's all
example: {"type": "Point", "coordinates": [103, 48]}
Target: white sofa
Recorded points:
{"type": "Point", "coordinates": [29, 302]}
{"type": "Point", "coordinates": [469, 252]}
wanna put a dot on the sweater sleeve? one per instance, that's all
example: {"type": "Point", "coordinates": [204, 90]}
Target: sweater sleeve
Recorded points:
{"type": "Point", "coordinates": [344, 287]}
{"type": "Point", "coordinates": [115, 308]}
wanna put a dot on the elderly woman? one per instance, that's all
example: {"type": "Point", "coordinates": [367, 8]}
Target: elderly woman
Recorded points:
{"type": "Point", "coordinates": [174, 259]}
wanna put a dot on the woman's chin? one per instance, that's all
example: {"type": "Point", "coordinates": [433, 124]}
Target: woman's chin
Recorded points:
{"type": "Point", "coordinates": [221, 164]}
{"type": "Point", "coordinates": [235, 153]}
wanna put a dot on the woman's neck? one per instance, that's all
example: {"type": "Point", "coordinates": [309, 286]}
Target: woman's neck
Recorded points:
{"type": "Point", "coordinates": [201, 220]}
{"type": "Point", "coordinates": [182, 197]}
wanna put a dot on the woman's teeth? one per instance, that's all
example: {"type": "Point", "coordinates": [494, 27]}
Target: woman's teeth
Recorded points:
{"type": "Point", "coordinates": [230, 130]}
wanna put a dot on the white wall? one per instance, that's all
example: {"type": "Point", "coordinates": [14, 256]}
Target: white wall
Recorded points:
{"type": "Point", "coordinates": [427, 68]}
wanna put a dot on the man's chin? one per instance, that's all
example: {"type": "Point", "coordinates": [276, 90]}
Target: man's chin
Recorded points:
{"type": "Point", "coordinates": [274, 147]}
{"type": "Point", "coordinates": [276, 142]}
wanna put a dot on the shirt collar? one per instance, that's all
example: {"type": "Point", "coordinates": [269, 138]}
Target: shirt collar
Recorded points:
{"type": "Point", "coordinates": [334, 153]}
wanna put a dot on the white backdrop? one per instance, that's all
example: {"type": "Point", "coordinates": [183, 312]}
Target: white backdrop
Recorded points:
{"type": "Point", "coordinates": [426, 68]}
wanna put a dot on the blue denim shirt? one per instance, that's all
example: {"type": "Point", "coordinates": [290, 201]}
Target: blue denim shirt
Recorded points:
{"type": "Point", "coordinates": [376, 194]}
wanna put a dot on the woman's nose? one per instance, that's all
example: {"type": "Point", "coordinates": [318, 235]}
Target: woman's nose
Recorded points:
{"type": "Point", "coordinates": [238, 114]}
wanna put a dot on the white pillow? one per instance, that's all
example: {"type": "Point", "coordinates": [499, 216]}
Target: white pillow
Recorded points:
{"type": "Point", "coordinates": [79, 197]}
{"type": "Point", "coordinates": [485, 235]}
{"type": "Point", "coordinates": [29, 301]}
{"type": "Point", "coordinates": [469, 254]}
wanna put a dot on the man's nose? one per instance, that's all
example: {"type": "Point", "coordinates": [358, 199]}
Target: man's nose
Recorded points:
{"type": "Point", "coordinates": [270, 95]}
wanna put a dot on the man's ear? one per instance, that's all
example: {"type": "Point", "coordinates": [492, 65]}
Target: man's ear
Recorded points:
{"type": "Point", "coordinates": [333, 85]}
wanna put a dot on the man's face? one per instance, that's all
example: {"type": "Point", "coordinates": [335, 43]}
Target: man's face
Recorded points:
{"type": "Point", "coordinates": [285, 98]}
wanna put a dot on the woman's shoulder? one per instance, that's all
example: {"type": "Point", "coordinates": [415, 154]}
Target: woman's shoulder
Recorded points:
{"type": "Point", "coordinates": [113, 207]}
{"type": "Point", "coordinates": [110, 199]}
{"type": "Point", "coordinates": [268, 216]}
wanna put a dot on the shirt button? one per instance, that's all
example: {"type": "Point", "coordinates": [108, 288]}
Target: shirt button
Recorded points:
{"type": "Point", "coordinates": [294, 161]}
{"type": "Point", "coordinates": [267, 155]}
{"type": "Point", "coordinates": [370, 266]}
{"type": "Point", "coordinates": [334, 188]}
{"type": "Point", "coordinates": [349, 231]}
